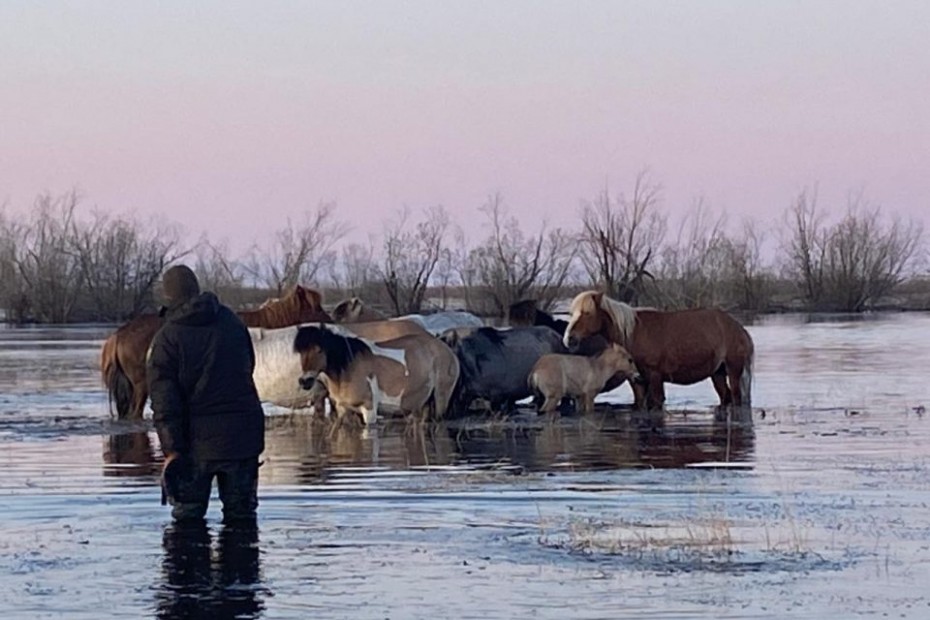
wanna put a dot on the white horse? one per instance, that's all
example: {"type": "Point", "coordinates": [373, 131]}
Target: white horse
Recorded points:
{"type": "Point", "coordinates": [277, 367]}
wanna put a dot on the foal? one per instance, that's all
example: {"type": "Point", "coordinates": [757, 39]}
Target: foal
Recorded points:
{"type": "Point", "coordinates": [557, 375]}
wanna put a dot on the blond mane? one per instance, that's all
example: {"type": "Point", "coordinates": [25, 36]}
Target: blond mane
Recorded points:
{"type": "Point", "coordinates": [622, 315]}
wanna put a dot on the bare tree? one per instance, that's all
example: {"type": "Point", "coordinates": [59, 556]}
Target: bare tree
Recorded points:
{"type": "Point", "coordinates": [621, 237]}
{"type": "Point", "coordinates": [411, 255]}
{"type": "Point", "coordinates": [49, 271]}
{"type": "Point", "coordinates": [509, 266]}
{"type": "Point", "coordinates": [120, 261]}
{"type": "Point", "coordinates": [13, 290]}
{"type": "Point", "coordinates": [752, 279]}
{"type": "Point", "coordinates": [299, 254]}
{"type": "Point", "coordinates": [805, 245]}
{"type": "Point", "coordinates": [356, 274]}
{"type": "Point", "coordinates": [854, 262]}
{"type": "Point", "coordinates": [693, 267]}
{"type": "Point", "coordinates": [355, 269]}
{"type": "Point", "coordinates": [219, 272]}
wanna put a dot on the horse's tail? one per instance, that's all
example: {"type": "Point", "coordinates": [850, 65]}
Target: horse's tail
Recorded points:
{"type": "Point", "coordinates": [119, 387]}
{"type": "Point", "coordinates": [745, 381]}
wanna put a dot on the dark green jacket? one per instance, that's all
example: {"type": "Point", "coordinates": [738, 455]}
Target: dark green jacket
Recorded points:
{"type": "Point", "coordinates": [199, 371]}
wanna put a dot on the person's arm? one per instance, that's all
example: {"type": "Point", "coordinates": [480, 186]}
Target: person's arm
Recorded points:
{"type": "Point", "coordinates": [170, 412]}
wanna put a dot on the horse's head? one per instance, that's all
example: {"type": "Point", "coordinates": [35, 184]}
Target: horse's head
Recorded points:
{"type": "Point", "coordinates": [586, 318]}
{"type": "Point", "coordinates": [348, 310]}
{"type": "Point", "coordinates": [310, 345]}
{"type": "Point", "coordinates": [619, 360]}
{"type": "Point", "coordinates": [522, 313]}
{"type": "Point", "coordinates": [317, 384]}
{"type": "Point", "coordinates": [594, 314]}
{"type": "Point", "coordinates": [310, 306]}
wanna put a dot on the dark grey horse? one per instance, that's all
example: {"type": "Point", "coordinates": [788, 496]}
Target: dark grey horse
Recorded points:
{"type": "Point", "coordinates": [495, 363]}
{"type": "Point", "coordinates": [525, 313]}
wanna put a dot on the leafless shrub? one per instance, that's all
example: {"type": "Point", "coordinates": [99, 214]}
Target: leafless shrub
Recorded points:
{"type": "Point", "coordinates": [49, 273]}
{"type": "Point", "coordinates": [693, 268]}
{"type": "Point", "coordinates": [13, 291]}
{"type": "Point", "coordinates": [851, 264]}
{"type": "Point", "coordinates": [219, 272]}
{"type": "Point", "coordinates": [120, 261]}
{"type": "Point", "coordinates": [621, 238]}
{"type": "Point", "coordinates": [298, 254]}
{"type": "Point", "coordinates": [354, 273]}
{"type": "Point", "coordinates": [411, 254]}
{"type": "Point", "coordinates": [752, 278]}
{"type": "Point", "coordinates": [509, 266]}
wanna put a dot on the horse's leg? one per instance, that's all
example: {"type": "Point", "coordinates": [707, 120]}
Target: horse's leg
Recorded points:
{"type": "Point", "coordinates": [140, 389]}
{"type": "Point", "coordinates": [655, 394]}
{"type": "Point", "coordinates": [639, 395]}
{"type": "Point", "coordinates": [551, 404]}
{"type": "Point", "coordinates": [587, 403]}
{"type": "Point", "coordinates": [734, 374]}
{"type": "Point", "coordinates": [719, 379]}
{"type": "Point", "coordinates": [650, 394]}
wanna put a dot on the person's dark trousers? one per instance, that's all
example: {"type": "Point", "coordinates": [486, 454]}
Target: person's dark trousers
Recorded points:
{"type": "Point", "coordinates": [238, 486]}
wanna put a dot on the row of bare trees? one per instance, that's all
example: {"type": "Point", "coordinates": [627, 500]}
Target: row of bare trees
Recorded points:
{"type": "Point", "coordinates": [58, 264]}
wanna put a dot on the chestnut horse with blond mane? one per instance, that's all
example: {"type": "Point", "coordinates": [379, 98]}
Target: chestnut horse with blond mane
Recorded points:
{"type": "Point", "coordinates": [682, 346]}
{"type": "Point", "coordinates": [122, 358]}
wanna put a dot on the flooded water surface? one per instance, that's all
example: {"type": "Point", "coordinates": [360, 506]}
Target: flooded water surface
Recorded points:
{"type": "Point", "coordinates": [814, 504]}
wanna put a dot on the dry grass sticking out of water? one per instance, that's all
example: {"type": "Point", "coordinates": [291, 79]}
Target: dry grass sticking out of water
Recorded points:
{"type": "Point", "coordinates": [708, 538]}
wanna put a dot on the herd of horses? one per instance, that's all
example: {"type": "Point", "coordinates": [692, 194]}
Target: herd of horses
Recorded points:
{"type": "Point", "coordinates": [448, 363]}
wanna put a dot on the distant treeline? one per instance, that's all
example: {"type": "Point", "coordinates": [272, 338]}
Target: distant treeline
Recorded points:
{"type": "Point", "coordinates": [60, 264]}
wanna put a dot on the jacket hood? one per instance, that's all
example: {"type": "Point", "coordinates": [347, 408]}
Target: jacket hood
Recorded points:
{"type": "Point", "coordinates": [200, 310]}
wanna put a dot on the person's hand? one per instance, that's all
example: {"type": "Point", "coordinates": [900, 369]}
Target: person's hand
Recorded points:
{"type": "Point", "coordinates": [171, 456]}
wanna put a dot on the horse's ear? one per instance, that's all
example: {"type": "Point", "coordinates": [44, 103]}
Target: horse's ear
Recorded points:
{"type": "Point", "coordinates": [356, 303]}
{"type": "Point", "coordinates": [598, 298]}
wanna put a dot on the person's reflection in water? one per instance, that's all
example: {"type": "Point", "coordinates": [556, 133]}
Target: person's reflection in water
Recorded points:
{"type": "Point", "coordinates": [202, 582]}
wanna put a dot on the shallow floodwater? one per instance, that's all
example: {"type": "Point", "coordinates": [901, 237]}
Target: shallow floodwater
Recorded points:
{"type": "Point", "coordinates": [814, 504]}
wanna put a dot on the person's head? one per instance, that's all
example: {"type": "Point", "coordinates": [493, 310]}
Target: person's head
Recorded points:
{"type": "Point", "coordinates": [179, 284]}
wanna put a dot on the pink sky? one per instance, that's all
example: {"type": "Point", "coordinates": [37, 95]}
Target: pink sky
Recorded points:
{"type": "Point", "coordinates": [233, 119]}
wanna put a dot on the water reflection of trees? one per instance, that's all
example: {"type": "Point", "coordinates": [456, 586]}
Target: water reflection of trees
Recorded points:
{"type": "Point", "coordinates": [301, 450]}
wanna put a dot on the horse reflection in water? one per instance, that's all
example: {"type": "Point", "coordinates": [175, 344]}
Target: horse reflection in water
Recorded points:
{"type": "Point", "coordinates": [202, 581]}
{"type": "Point", "coordinates": [298, 452]}
{"type": "Point", "coordinates": [129, 455]}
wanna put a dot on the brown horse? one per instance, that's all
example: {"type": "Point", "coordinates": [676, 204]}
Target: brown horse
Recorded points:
{"type": "Point", "coordinates": [683, 347]}
{"type": "Point", "coordinates": [354, 310]}
{"type": "Point", "coordinates": [122, 358]}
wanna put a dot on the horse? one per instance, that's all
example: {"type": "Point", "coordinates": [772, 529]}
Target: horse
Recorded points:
{"type": "Point", "coordinates": [556, 376]}
{"type": "Point", "coordinates": [526, 313]}
{"type": "Point", "coordinates": [122, 357]}
{"type": "Point", "coordinates": [438, 322]}
{"type": "Point", "coordinates": [354, 310]}
{"type": "Point", "coordinates": [495, 363]}
{"type": "Point", "coordinates": [302, 305]}
{"type": "Point", "coordinates": [682, 347]}
{"type": "Point", "coordinates": [413, 375]}
{"type": "Point", "coordinates": [277, 367]}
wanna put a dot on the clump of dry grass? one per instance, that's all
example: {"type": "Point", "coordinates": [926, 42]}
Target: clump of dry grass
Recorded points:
{"type": "Point", "coordinates": [708, 537]}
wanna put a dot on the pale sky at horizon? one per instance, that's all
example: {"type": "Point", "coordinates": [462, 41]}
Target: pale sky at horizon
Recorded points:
{"type": "Point", "coordinates": [232, 117]}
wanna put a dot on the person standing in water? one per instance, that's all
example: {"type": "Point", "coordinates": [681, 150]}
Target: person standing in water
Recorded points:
{"type": "Point", "coordinates": [206, 409]}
